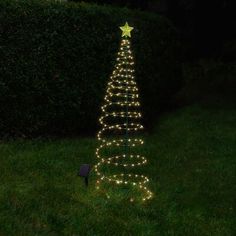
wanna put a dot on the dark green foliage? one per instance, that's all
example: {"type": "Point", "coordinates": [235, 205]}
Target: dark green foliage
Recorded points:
{"type": "Point", "coordinates": [208, 80]}
{"type": "Point", "coordinates": [191, 165]}
{"type": "Point", "coordinates": [56, 59]}
{"type": "Point", "coordinates": [138, 4]}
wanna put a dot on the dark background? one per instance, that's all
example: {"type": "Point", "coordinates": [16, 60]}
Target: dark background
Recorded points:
{"type": "Point", "coordinates": [207, 27]}
{"type": "Point", "coordinates": [56, 59]}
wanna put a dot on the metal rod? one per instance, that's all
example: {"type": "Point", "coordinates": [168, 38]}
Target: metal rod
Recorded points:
{"type": "Point", "coordinates": [127, 119]}
{"type": "Point", "coordinates": [86, 181]}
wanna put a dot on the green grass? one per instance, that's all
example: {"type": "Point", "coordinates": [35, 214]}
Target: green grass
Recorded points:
{"type": "Point", "coordinates": [191, 165]}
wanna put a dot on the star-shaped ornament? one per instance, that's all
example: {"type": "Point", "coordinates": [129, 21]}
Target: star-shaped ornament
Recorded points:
{"type": "Point", "coordinates": [126, 29]}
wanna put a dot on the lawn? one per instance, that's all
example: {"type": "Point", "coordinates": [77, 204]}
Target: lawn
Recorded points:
{"type": "Point", "coordinates": [191, 165]}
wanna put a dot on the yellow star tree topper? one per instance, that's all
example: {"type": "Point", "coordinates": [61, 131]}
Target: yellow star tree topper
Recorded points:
{"type": "Point", "coordinates": [126, 29]}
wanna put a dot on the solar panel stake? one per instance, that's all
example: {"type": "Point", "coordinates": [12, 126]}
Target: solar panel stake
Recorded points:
{"type": "Point", "coordinates": [84, 172]}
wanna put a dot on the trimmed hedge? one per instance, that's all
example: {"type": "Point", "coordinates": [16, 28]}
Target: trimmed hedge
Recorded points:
{"type": "Point", "coordinates": [56, 59]}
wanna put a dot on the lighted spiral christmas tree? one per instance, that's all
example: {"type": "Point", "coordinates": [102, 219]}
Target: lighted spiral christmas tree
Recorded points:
{"type": "Point", "coordinates": [120, 122]}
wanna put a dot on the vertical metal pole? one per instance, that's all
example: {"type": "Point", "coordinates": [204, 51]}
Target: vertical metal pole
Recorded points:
{"type": "Point", "coordinates": [127, 119]}
{"type": "Point", "coordinates": [86, 181]}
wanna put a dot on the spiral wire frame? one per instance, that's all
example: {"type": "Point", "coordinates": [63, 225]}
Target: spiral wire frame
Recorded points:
{"type": "Point", "coordinates": [121, 102]}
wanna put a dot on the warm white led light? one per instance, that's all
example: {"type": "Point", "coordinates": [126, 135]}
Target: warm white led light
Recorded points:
{"type": "Point", "coordinates": [120, 102]}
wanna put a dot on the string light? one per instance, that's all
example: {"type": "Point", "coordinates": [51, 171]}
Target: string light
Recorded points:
{"type": "Point", "coordinates": [122, 93]}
